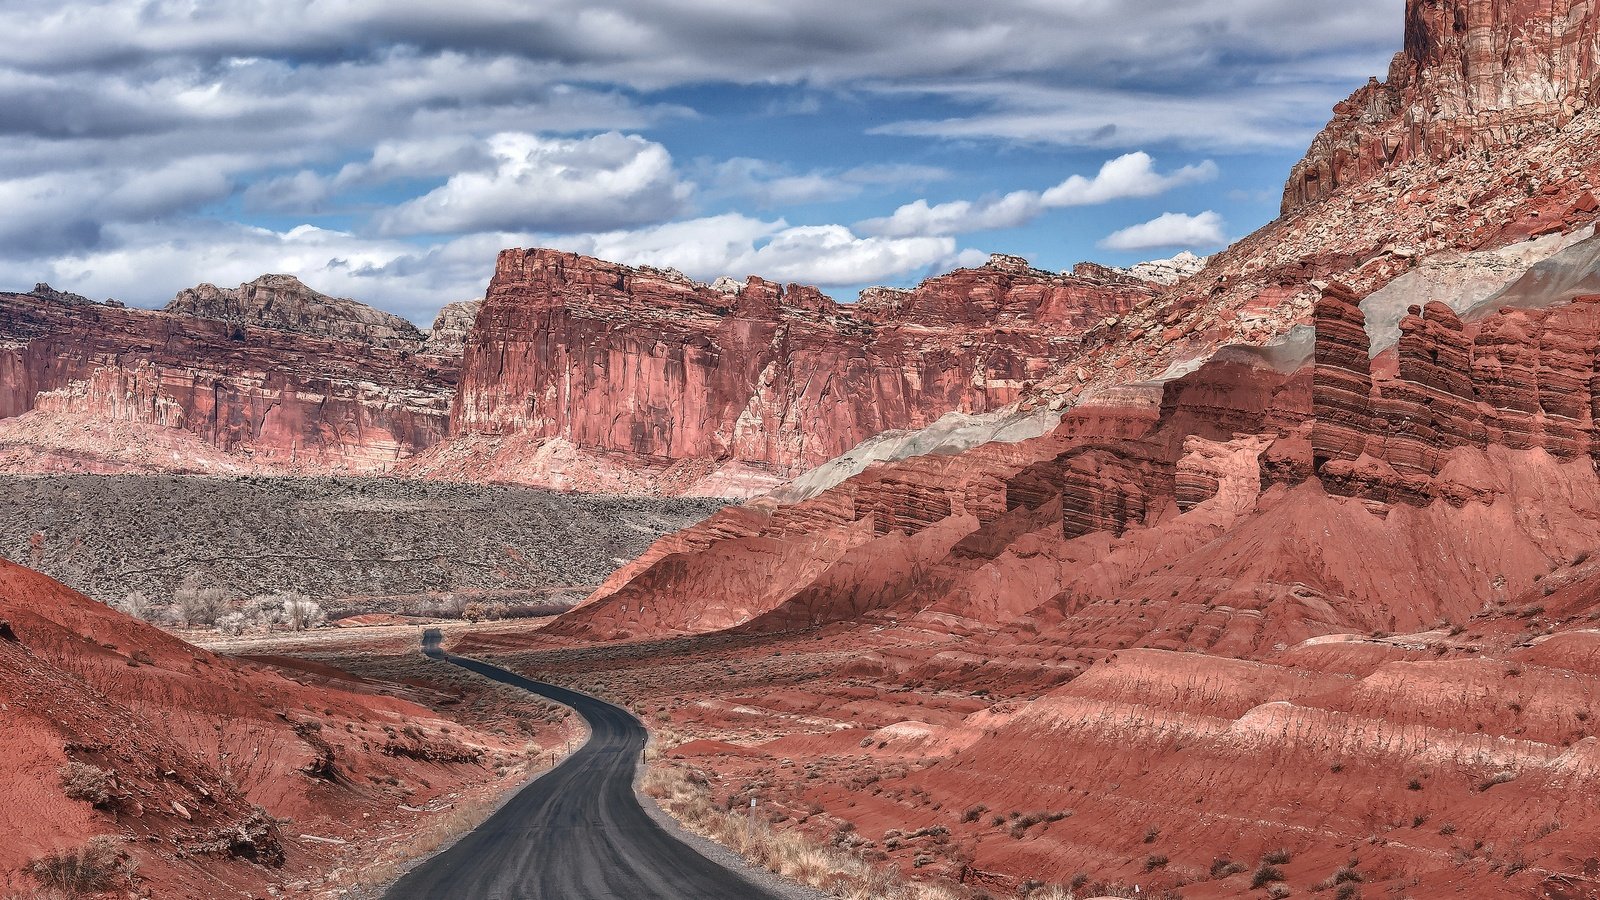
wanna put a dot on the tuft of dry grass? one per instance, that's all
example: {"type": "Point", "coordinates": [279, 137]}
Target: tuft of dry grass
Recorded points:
{"type": "Point", "coordinates": [96, 867]}
{"type": "Point", "coordinates": [834, 870]}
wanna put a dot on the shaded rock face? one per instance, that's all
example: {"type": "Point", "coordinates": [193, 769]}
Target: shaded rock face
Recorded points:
{"type": "Point", "coordinates": [1475, 75]}
{"type": "Point", "coordinates": [651, 367]}
{"type": "Point", "coordinates": [275, 397]}
{"type": "Point", "coordinates": [283, 302]}
{"type": "Point", "coordinates": [1517, 378]}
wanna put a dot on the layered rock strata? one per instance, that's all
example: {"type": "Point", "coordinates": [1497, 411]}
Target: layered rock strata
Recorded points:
{"type": "Point", "coordinates": [1475, 76]}
{"type": "Point", "coordinates": [269, 396]}
{"type": "Point", "coordinates": [651, 368]}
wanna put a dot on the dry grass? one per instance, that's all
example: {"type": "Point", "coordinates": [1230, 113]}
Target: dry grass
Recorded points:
{"type": "Point", "coordinates": [832, 869]}
{"type": "Point", "coordinates": [94, 868]}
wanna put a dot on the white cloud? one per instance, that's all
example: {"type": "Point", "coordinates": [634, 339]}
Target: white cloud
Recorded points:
{"type": "Point", "coordinates": [1170, 230]}
{"type": "Point", "coordinates": [550, 183]}
{"type": "Point", "coordinates": [128, 126]}
{"type": "Point", "coordinates": [957, 216]}
{"type": "Point", "coordinates": [738, 245]}
{"type": "Point", "coordinates": [1127, 176]}
{"type": "Point", "coordinates": [769, 184]}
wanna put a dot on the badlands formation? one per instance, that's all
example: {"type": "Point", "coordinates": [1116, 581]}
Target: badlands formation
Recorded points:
{"type": "Point", "coordinates": [140, 765]}
{"type": "Point", "coordinates": [1271, 578]}
{"type": "Point", "coordinates": [1282, 579]}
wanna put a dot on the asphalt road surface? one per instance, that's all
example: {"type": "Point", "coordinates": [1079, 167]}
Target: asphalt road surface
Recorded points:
{"type": "Point", "coordinates": [576, 833]}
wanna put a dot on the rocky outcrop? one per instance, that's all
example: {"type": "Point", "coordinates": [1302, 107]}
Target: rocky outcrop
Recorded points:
{"type": "Point", "coordinates": [652, 369]}
{"type": "Point", "coordinates": [271, 397]}
{"type": "Point", "coordinates": [1168, 271]}
{"type": "Point", "coordinates": [283, 302]}
{"type": "Point", "coordinates": [1515, 378]}
{"type": "Point", "coordinates": [448, 336]}
{"type": "Point", "coordinates": [1475, 76]}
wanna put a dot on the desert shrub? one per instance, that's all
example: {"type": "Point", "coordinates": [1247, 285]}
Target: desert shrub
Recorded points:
{"type": "Point", "coordinates": [232, 623]}
{"type": "Point", "coordinates": [1021, 824]}
{"type": "Point", "coordinates": [1222, 868]}
{"type": "Point", "coordinates": [91, 784]}
{"type": "Point", "coordinates": [90, 869]}
{"type": "Point", "coordinates": [1345, 874]}
{"type": "Point", "coordinates": [1277, 857]}
{"type": "Point", "coordinates": [1265, 875]}
{"type": "Point", "coordinates": [1154, 861]}
{"type": "Point", "coordinates": [197, 602]}
{"type": "Point", "coordinates": [1278, 891]}
{"type": "Point", "coordinates": [301, 612]}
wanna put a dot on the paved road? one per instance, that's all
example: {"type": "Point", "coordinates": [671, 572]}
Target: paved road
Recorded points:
{"type": "Point", "coordinates": [578, 832]}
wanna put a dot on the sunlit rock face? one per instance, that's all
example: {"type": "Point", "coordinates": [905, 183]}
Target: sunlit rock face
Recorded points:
{"type": "Point", "coordinates": [651, 369]}
{"type": "Point", "coordinates": [1475, 76]}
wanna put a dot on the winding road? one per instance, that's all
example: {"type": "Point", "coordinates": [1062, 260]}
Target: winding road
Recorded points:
{"type": "Point", "coordinates": [578, 832]}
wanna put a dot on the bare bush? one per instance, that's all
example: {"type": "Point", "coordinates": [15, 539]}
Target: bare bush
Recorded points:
{"type": "Point", "coordinates": [198, 603]}
{"type": "Point", "coordinates": [135, 604]}
{"type": "Point", "coordinates": [91, 869]}
{"type": "Point", "coordinates": [301, 612]}
{"type": "Point", "coordinates": [91, 784]}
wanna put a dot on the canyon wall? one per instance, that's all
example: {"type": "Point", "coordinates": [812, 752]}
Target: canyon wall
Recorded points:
{"type": "Point", "coordinates": [649, 369]}
{"type": "Point", "coordinates": [301, 394]}
{"type": "Point", "coordinates": [1475, 76]}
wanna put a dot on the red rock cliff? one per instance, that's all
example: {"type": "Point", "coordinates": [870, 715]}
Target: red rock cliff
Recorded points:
{"type": "Point", "coordinates": [651, 368]}
{"type": "Point", "coordinates": [1475, 75]}
{"type": "Point", "coordinates": [270, 396]}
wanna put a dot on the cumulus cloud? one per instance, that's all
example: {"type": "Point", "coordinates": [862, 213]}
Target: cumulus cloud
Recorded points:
{"type": "Point", "coordinates": [550, 183]}
{"type": "Point", "coordinates": [1130, 175]}
{"type": "Point", "coordinates": [1127, 176]}
{"type": "Point", "coordinates": [769, 184]}
{"type": "Point", "coordinates": [738, 245]}
{"type": "Point", "coordinates": [1170, 230]}
{"type": "Point", "coordinates": [142, 137]}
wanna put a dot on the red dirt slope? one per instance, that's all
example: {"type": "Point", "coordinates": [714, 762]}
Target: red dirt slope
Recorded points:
{"type": "Point", "coordinates": [216, 776]}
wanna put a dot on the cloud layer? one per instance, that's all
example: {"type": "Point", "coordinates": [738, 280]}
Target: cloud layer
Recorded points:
{"type": "Point", "coordinates": [1129, 176]}
{"type": "Point", "coordinates": [148, 144]}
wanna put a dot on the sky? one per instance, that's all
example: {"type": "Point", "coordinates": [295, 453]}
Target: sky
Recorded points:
{"type": "Point", "coordinates": [387, 150]}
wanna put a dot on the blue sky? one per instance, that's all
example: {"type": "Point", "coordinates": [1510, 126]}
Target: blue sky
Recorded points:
{"type": "Point", "coordinates": [386, 150]}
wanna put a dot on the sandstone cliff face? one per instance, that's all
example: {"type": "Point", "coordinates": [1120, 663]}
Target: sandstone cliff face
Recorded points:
{"type": "Point", "coordinates": [1475, 76]}
{"type": "Point", "coordinates": [270, 397]}
{"type": "Point", "coordinates": [283, 302]}
{"type": "Point", "coordinates": [650, 368]}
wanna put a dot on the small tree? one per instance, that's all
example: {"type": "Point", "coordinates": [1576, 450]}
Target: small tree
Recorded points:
{"type": "Point", "coordinates": [135, 604]}
{"type": "Point", "coordinates": [302, 612]}
{"type": "Point", "coordinates": [198, 603]}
